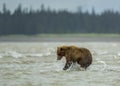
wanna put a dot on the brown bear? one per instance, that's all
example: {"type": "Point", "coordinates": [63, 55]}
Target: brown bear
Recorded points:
{"type": "Point", "coordinates": [74, 54]}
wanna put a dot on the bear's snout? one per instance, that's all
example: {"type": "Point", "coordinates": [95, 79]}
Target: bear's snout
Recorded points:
{"type": "Point", "coordinates": [59, 57]}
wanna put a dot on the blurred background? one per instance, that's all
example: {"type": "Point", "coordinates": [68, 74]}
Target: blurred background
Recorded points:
{"type": "Point", "coordinates": [33, 17]}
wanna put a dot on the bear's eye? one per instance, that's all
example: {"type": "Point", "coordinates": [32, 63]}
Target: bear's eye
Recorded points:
{"type": "Point", "coordinates": [61, 49]}
{"type": "Point", "coordinates": [59, 54]}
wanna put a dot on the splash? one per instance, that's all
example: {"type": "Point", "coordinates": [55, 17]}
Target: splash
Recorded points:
{"type": "Point", "coordinates": [104, 65]}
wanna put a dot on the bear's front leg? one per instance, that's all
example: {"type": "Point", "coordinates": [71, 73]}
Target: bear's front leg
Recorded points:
{"type": "Point", "coordinates": [67, 65]}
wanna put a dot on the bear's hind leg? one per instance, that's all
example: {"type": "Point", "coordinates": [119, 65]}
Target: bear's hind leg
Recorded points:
{"type": "Point", "coordinates": [81, 63]}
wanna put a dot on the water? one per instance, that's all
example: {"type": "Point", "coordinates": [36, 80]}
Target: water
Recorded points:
{"type": "Point", "coordinates": [34, 64]}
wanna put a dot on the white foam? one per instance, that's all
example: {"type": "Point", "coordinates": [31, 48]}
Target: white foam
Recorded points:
{"type": "Point", "coordinates": [38, 54]}
{"type": "Point", "coordinates": [115, 57]}
{"type": "Point", "coordinates": [34, 55]}
{"type": "Point", "coordinates": [1, 56]}
{"type": "Point", "coordinates": [118, 54]}
{"type": "Point", "coordinates": [113, 68]}
{"type": "Point", "coordinates": [47, 54]}
{"type": "Point", "coordinates": [102, 53]}
{"type": "Point", "coordinates": [104, 65]}
{"type": "Point", "coordinates": [13, 54]}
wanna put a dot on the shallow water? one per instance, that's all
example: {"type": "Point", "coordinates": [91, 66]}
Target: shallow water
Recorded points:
{"type": "Point", "coordinates": [34, 64]}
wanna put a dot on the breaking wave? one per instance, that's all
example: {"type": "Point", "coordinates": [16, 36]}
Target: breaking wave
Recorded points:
{"type": "Point", "coordinates": [15, 54]}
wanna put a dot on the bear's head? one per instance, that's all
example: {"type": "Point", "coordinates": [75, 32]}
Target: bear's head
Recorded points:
{"type": "Point", "coordinates": [61, 51]}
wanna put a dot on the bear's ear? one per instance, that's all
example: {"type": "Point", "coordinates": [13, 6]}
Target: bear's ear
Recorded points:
{"type": "Point", "coordinates": [65, 48]}
{"type": "Point", "coordinates": [68, 48]}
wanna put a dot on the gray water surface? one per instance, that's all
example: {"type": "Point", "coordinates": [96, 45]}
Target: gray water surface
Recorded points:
{"type": "Point", "coordinates": [34, 64]}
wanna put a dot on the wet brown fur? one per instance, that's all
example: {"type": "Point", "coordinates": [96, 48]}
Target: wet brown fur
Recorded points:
{"type": "Point", "coordinates": [74, 54]}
